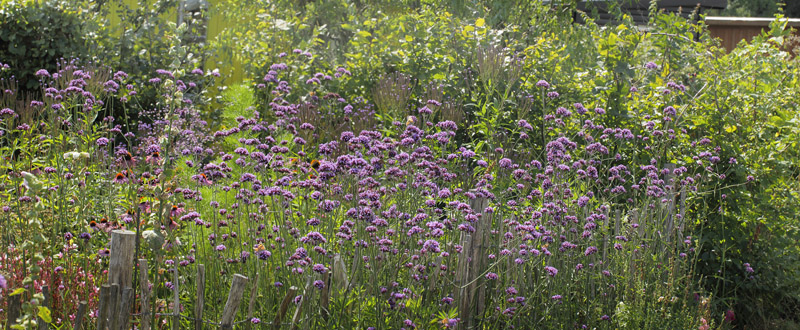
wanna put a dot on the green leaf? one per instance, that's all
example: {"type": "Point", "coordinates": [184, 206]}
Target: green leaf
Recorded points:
{"type": "Point", "coordinates": [17, 291]}
{"type": "Point", "coordinates": [480, 22]}
{"type": "Point", "coordinates": [44, 314]}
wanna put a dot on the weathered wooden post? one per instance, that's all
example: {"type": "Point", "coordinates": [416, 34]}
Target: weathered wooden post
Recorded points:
{"type": "Point", "coordinates": [340, 279]}
{"type": "Point", "coordinates": [354, 269]}
{"type": "Point", "coordinates": [79, 316]}
{"type": "Point", "coordinates": [462, 280]}
{"type": "Point", "coordinates": [105, 299]}
{"type": "Point", "coordinates": [606, 234]}
{"type": "Point", "coordinates": [123, 315]}
{"type": "Point", "coordinates": [45, 303]}
{"type": "Point", "coordinates": [478, 257]}
{"type": "Point", "coordinates": [433, 274]}
{"type": "Point", "coordinates": [233, 302]}
{"type": "Point", "coordinates": [276, 323]}
{"type": "Point", "coordinates": [669, 178]}
{"type": "Point", "coordinates": [120, 269]}
{"type": "Point", "coordinates": [251, 306]}
{"type": "Point", "coordinates": [634, 215]}
{"type": "Point", "coordinates": [682, 212]}
{"type": "Point", "coordinates": [113, 304]}
{"type": "Point", "coordinates": [176, 302]}
{"type": "Point", "coordinates": [325, 295]}
{"type": "Point", "coordinates": [144, 288]}
{"type": "Point", "coordinates": [201, 294]}
{"type": "Point", "coordinates": [14, 307]}
{"type": "Point", "coordinates": [298, 312]}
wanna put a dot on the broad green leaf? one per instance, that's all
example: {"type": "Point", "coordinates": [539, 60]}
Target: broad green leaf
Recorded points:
{"type": "Point", "coordinates": [480, 22]}
{"type": "Point", "coordinates": [44, 314]}
{"type": "Point", "coordinates": [17, 291]}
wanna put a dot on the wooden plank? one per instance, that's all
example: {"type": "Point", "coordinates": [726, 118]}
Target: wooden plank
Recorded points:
{"type": "Point", "coordinates": [234, 300]}
{"type": "Point", "coordinates": [687, 5]}
{"type": "Point", "coordinates": [201, 294]}
{"type": "Point", "coordinates": [747, 21]}
{"type": "Point", "coordinates": [144, 292]}
{"type": "Point", "coordinates": [276, 323]}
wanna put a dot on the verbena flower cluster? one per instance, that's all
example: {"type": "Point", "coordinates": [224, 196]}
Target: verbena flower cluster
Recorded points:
{"type": "Point", "coordinates": [400, 221]}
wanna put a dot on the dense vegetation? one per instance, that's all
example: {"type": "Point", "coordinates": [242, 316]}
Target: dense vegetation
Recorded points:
{"type": "Point", "coordinates": [471, 165]}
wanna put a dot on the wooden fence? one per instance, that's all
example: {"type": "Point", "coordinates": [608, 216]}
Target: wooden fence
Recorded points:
{"type": "Point", "coordinates": [116, 299]}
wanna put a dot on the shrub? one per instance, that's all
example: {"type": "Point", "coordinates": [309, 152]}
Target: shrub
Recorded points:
{"type": "Point", "coordinates": [36, 34]}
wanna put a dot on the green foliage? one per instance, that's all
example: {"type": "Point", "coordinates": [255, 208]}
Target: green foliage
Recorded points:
{"type": "Point", "coordinates": [141, 37]}
{"type": "Point", "coordinates": [146, 37]}
{"type": "Point", "coordinates": [748, 110]}
{"type": "Point", "coordinates": [741, 101]}
{"type": "Point", "coordinates": [239, 101]}
{"type": "Point", "coordinates": [36, 34]}
{"type": "Point", "coordinates": [476, 63]}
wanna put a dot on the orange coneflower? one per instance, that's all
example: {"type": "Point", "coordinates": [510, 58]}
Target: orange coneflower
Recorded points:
{"type": "Point", "coordinates": [201, 179]}
{"type": "Point", "coordinates": [120, 178]}
{"type": "Point", "coordinates": [126, 157]}
{"type": "Point", "coordinates": [154, 157]}
{"type": "Point", "coordinates": [175, 211]}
